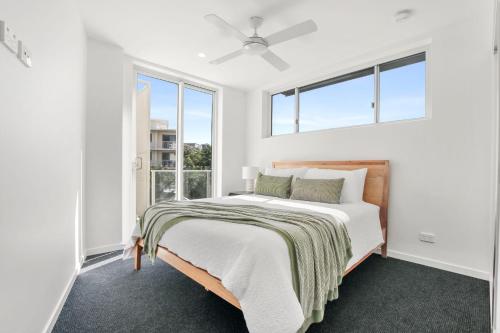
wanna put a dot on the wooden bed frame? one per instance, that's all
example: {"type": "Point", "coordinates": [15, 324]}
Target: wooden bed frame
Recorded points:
{"type": "Point", "coordinates": [376, 192]}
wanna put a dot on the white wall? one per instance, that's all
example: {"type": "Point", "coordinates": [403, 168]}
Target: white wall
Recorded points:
{"type": "Point", "coordinates": [233, 135]}
{"type": "Point", "coordinates": [41, 149]}
{"type": "Point", "coordinates": [103, 147]}
{"type": "Point", "coordinates": [441, 169]}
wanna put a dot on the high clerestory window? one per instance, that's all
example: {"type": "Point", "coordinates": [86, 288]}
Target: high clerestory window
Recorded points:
{"type": "Point", "coordinates": [386, 92]}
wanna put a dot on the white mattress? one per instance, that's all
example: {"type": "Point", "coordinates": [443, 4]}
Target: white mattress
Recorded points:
{"type": "Point", "coordinates": [253, 262]}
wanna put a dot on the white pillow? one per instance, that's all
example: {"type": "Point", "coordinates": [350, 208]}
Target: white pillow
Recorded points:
{"type": "Point", "coordinates": [354, 181]}
{"type": "Point", "coordinates": [295, 172]}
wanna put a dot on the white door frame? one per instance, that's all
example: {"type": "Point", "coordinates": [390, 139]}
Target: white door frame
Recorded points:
{"type": "Point", "coordinates": [494, 284]}
{"type": "Point", "coordinates": [181, 82]}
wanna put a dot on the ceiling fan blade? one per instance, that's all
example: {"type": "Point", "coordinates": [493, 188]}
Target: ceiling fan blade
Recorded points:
{"type": "Point", "coordinates": [226, 57]}
{"type": "Point", "coordinates": [221, 24]}
{"type": "Point", "coordinates": [294, 31]}
{"type": "Point", "coordinates": [275, 61]}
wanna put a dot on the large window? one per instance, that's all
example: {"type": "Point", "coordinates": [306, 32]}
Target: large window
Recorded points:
{"type": "Point", "coordinates": [339, 102]}
{"type": "Point", "coordinates": [385, 92]}
{"type": "Point", "coordinates": [402, 89]}
{"type": "Point", "coordinates": [174, 123]}
{"type": "Point", "coordinates": [283, 110]}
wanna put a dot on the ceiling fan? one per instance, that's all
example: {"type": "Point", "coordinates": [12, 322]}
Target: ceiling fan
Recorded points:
{"type": "Point", "coordinates": [256, 45]}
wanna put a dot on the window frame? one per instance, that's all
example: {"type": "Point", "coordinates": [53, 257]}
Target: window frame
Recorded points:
{"type": "Point", "coordinates": [181, 83]}
{"type": "Point", "coordinates": [296, 110]}
{"type": "Point", "coordinates": [423, 50]}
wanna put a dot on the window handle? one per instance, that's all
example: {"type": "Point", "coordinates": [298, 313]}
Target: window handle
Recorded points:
{"type": "Point", "coordinates": [138, 163]}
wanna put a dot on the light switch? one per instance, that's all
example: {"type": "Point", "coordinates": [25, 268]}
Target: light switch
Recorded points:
{"type": "Point", "coordinates": [24, 54]}
{"type": "Point", "coordinates": [8, 37]}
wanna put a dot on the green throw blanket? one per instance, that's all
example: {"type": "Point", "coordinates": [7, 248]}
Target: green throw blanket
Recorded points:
{"type": "Point", "coordinates": [318, 245]}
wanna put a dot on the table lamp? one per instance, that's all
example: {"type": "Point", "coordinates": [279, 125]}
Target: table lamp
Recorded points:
{"type": "Point", "coordinates": [249, 173]}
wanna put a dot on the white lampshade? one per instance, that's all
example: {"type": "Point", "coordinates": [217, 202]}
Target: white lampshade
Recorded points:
{"type": "Point", "coordinates": [249, 172]}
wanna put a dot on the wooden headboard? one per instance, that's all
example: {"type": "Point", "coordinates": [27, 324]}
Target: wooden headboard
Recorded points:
{"type": "Point", "coordinates": [376, 183]}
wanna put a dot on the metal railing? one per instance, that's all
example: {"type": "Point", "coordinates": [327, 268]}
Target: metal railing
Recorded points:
{"type": "Point", "coordinates": [168, 163]}
{"type": "Point", "coordinates": [163, 164]}
{"type": "Point", "coordinates": [170, 145]}
{"type": "Point", "coordinates": [197, 184]}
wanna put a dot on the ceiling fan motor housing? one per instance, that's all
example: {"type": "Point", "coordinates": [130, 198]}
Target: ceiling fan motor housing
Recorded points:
{"type": "Point", "coordinates": [255, 46]}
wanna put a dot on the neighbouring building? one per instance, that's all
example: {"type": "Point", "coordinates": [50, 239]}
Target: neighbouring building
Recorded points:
{"type": "Point", "coordinates": [163, 144]}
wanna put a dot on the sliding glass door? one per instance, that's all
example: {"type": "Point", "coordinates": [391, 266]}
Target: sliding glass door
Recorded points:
{"type": "Point", "coordinates": [197, 168]}
{"type": "Point", "coordinates": [174, 141]}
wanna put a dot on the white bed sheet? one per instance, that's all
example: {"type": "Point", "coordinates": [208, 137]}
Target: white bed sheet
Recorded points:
{"type": "Point", "coordinates": [253, 262]}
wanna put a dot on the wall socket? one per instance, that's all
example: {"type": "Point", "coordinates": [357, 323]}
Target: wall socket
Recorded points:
{"type": "Point", "coordinates": [427, 237]}
{"type": "Point", "coordinates": [8, 37]}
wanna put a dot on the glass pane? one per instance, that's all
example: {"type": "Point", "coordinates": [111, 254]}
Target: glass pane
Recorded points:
{"type": "Point", "coordinates": [283, 113]}
{"type": "Point", "coordinates": [198, 107]}
{"type": "Point", "coordinates": [402, 91]}
{"type": "Point", "coordinates": [340, 102]}
{"type": "Point", "coordinates": [158, 99]}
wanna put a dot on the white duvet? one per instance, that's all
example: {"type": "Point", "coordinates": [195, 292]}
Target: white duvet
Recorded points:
{"type": "Point", "coordinates": [253, 262]}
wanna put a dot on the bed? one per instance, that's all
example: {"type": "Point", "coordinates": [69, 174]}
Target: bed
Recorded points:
{"type": "Point", "coordinates": [249, 266]}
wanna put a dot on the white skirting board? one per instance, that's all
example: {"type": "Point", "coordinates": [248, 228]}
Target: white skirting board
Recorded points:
{"type": "Point", "coordinates": [483, 275]}
{"type": "Point", "coordinates": [57, 310]}
{"type": "Point", "coordinates": [105, 248]}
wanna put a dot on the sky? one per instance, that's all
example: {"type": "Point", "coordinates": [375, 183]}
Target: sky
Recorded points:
{"type": "Point", "coordinates": [197, 109]}
{"type": "Point", "coordinates": [402, 96]}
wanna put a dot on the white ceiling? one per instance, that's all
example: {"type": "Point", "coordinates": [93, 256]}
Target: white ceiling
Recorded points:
{"type": "Point", "coordinates": [172, 32]}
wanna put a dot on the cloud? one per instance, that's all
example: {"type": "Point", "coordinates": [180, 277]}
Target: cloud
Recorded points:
{"type": "Point", "coordinates": [404, 102]}
{"type": "Point", "coordinates": [163, 112]}
{"type": "Point", "coordinates": [283, 121]}
{"type": "Point", "coordinates": [198, 114]}
{"type": "Point", "coordinates": [317, 118]}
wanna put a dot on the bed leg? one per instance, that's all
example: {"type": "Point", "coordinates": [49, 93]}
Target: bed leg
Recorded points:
{"type": "Point", "coordinates": [383, 250]}
{"type": "Point", "coordinates": [137, 256]}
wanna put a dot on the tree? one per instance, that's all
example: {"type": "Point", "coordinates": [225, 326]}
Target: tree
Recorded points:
{"type": "Point", "coordinates": [198, 159]}
{"type": "Point", "coordinates": [195, 183]}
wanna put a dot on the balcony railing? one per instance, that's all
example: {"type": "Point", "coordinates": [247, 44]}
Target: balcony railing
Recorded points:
{"type": "Point", "coordinates": [163, 164]}
{"type": "Point", "coordinates": [164, 145]}
{"type": "Point", "coordinates": [197, 184]}
{"type": "Point", "coordinates": [168, 163]}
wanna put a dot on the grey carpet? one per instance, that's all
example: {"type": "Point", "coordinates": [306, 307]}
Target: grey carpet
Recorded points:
{"type": "Point", "coordinates": [381, 295]}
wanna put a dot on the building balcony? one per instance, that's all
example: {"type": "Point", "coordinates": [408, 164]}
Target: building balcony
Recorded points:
{"type": "Point", "coordinates": [163, 164]}
{"type": "Point", "coordinates": [164, 145]}
{"type": "Point", "coordinates": [168, 164]}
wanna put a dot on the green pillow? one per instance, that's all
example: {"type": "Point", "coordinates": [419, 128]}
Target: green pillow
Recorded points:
{"type": "Point", "coordinates": [318, 190]}
{"type": "Point", "coordinates": [273, 186]}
